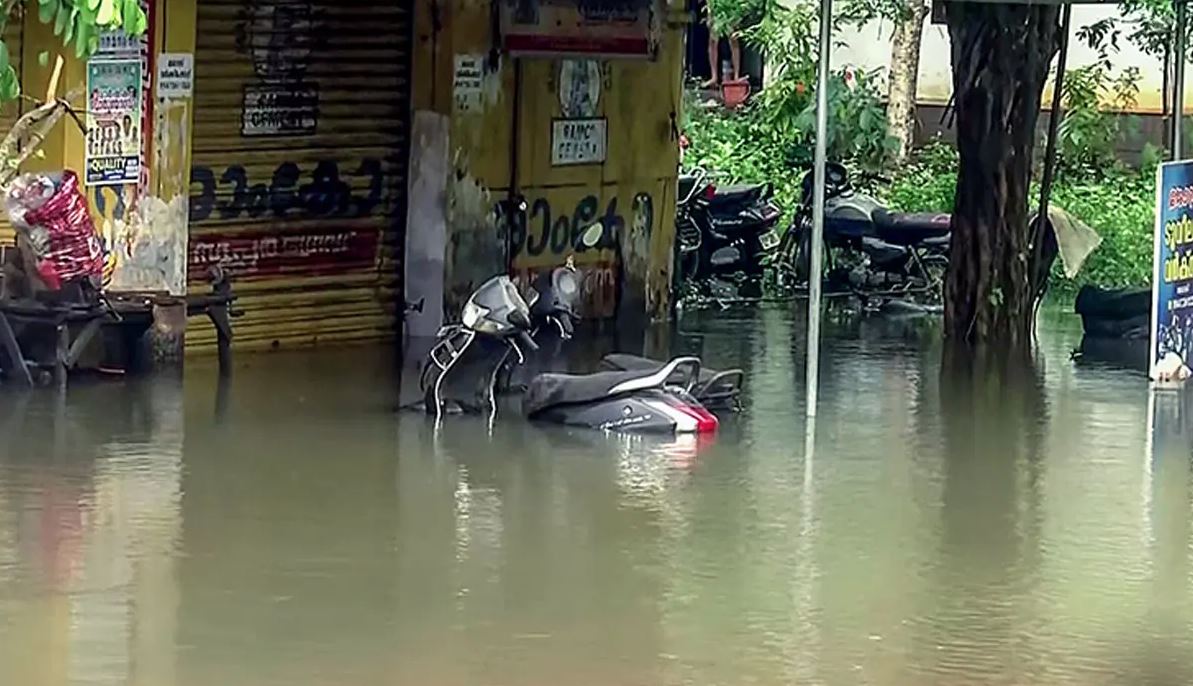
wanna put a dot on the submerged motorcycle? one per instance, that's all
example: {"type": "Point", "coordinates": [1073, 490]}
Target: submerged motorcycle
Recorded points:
{"type": "Point", "coordinates": [724, 232]}
{"type": "Point", "coordinates": [498, 318]}
{"type": "Point", "coordinates": [870, 251]}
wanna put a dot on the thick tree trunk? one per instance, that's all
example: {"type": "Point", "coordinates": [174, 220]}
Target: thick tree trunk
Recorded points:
{"type": "Point", "coordinates": [904, 79]}
{"type": "Point", "coordinates": [1001, 56]}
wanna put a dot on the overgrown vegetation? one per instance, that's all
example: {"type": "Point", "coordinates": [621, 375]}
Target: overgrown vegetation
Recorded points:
{"type": "Point", "coordinates": [770, 140]}
{"type": "Point", "coordinates": [1117, 201]}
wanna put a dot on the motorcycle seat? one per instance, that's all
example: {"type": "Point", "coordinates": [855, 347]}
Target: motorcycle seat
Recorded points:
{"type": "Point", "coordinates": [910, 228]}
{"type": "Point", "coordinates": [546, 391]}
{"type": "Point", "coordinates": [713, 389]}
{"type": "Point", "coordinates": [1116, 304]}
{"type": "Point", "coordinates": [739, 195]}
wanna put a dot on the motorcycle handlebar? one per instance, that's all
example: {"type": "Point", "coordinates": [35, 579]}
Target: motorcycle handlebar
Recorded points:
{"type": "Point", "coordinates": [700, 181]}
{"type": "Point", "coordinates": [876, 177]}
{"type": "Point", "coordinates": [527, 340]}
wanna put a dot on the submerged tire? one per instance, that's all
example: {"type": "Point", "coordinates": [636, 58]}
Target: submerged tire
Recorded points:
{"type": "Point", "coordinates": [794, 256]}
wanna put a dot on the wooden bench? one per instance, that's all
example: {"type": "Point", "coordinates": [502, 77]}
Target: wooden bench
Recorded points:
{"type": "Point", "coordinates": [74, 326]}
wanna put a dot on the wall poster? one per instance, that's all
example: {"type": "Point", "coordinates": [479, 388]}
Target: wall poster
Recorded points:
{"type": "Point", "coordinates": [114, 89]}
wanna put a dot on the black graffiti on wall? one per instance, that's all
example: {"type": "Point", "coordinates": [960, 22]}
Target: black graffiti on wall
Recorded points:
{"type": "Point", "coordinates": [538, 230]}
{"type": "Point", "coordinates": [290, 192]}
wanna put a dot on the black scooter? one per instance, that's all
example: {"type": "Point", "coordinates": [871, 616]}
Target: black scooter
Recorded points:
{"type": "Point", "coordinates": [870, 250]}
{"type": "Point", "coordinates": [724, 232]}
{"type": "Point", "coordinates": [497, 315]}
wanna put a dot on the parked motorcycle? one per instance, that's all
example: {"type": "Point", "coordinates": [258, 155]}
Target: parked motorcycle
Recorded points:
{"type": "Point", "coordinates": [498, 316]}
{"type": "Point", "coordinates": [869, 250]}
{"type": "Point", "coordinates": [725, 232]}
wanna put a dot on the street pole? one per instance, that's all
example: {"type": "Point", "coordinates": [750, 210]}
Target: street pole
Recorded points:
{"type": "Point", "coordinates": [1178, 98]}
{"type": "Point", "coordinates": [817, 256]}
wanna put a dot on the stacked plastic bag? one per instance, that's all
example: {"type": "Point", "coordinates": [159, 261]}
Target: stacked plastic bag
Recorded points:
{"type": "Point", "coordinates": [53, 222]}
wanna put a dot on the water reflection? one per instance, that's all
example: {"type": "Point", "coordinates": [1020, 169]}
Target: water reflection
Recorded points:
{"type": "Point", "coordinates": [1027, 524]}
{"type": "Point", "coordinates": [89, 510]}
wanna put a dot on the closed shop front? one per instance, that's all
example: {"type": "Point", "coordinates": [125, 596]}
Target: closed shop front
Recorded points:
{"type": "Point", "coordinates": [298, 179]}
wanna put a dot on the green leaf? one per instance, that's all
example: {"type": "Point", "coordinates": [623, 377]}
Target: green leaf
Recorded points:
{"type": "Point", "coordinates": [70, 27]}
{"type": "Point", "coordinates": [136, 24]}
{"type": "Point", "coordinates": [106, 15]}
{"type": "Point", "coordinates": [83, 35]}
{"type": "Point", "coordinates": [93, 4]}
{"type": "Point", "coordinates": [46, 11]}
{"type": "Point", "coordinates": [133, 17]}
{"type": "Point", "coordinates": [43, 58]}
{"type": "Point", "coordinates": [4, 59]}
{"type": "Point", "coordinates": [61, 22]}
{"type": "Point", "coordinates": [10, 86]}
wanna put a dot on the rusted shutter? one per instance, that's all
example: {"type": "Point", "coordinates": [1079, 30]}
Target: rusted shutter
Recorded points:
{"type": "Point", "coordinates": [298, 181]}
{"type": "Point", "coordinates": [11, 111]}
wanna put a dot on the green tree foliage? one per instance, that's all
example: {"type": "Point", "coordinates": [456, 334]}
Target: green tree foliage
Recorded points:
{"type": "Point", "coordinates": [1118, 202]}
{"type": "Point", "coordinates": [1095, 104]}
{"type": "Point", "coordinates": [1148, 24]}
{"type": "Point", "coordinates": [772, 136]}
{"type": "Point", "coordinates": [77, 23]}
{"type": "Point", "coordinates": [727, 17]}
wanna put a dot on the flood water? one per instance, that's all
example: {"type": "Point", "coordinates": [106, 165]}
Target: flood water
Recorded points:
{"type": "Point", "coordinates": [291, 528]}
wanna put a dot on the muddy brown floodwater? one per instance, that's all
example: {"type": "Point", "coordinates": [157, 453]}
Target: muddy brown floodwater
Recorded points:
{"type": "Point", "coordinates": [291, 529]}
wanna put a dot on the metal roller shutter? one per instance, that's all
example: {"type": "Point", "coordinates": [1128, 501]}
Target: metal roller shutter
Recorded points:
{"type": "Point", "coordinates": [298, 180]}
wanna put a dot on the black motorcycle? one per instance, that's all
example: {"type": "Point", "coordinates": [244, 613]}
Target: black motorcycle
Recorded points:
{"type": "Point", "coordinates": [870, 251]}
{"type": "Point", "coordinates": [725, 232]}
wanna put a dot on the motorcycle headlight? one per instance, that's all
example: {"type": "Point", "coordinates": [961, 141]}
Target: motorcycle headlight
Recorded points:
{"type": "Point", "coordinates": [477, 318]}
{"type": "Point", "coordinates": [473, 315]}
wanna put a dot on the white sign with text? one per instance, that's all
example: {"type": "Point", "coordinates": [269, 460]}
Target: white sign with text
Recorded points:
{"type": "Point", "coordinates": [578, 141]}
{"type": "Point", "coordinates": [175, 75]}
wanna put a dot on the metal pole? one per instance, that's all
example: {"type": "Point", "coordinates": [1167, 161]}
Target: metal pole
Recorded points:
{"type": "Point", "coordinates": [1178, 98]}
{"type": "Point", "coordinates": [817, 257]}
{"type": "Point", "coordinates": [1053, 124]}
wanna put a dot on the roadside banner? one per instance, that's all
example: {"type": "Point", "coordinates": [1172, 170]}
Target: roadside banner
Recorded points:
{"type": "Point", "coordinates": [1172, 279]}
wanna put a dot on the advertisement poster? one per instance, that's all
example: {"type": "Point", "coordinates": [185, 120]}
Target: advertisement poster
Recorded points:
{"type": "Point", "coordinates": [113, 122]}
{"type": "Point", "coordinates": [1172, 282]}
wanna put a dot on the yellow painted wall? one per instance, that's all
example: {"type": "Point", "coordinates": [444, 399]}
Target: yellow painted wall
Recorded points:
{"type": "Point", "coordinates": [164, 200]}
{"type": "Point", "coordinates": [634, 188]}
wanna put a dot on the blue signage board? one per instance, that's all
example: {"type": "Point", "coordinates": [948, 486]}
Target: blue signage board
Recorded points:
{"type": "Point", "coordinates": [1172, 280]}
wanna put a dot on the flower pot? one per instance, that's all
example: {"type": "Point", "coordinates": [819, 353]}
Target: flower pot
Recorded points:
{"type": "Point", "coordinates": [734, 93]}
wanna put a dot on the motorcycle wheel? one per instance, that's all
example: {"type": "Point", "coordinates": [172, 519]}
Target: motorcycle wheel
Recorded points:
{"type": "Point", "coordinates": [936, 268]}
{"type": "Point", "coordinates": [689, 265]}
{"type": "Point", "coordinates": [793, 257]}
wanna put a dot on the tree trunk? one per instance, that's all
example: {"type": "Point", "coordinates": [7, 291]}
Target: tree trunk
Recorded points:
{"type": "Point", "coordinates": [905, 76]}
{"type": "Point", "coordinates": [1001, 56]}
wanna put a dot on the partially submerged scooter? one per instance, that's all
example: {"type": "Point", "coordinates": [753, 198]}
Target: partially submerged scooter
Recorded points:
{"type": "Point", "coordinates": [498, 316]}
{"type": "Point", "coordinates": [715, 390]}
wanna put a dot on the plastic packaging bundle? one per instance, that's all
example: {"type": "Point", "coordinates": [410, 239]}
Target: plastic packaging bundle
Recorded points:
{"type": "Point", "coordinates": [51, 215]}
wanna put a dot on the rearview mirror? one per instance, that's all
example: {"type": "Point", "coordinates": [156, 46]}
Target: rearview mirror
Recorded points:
{"type": "Point", "coordinates": [591, 237]}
